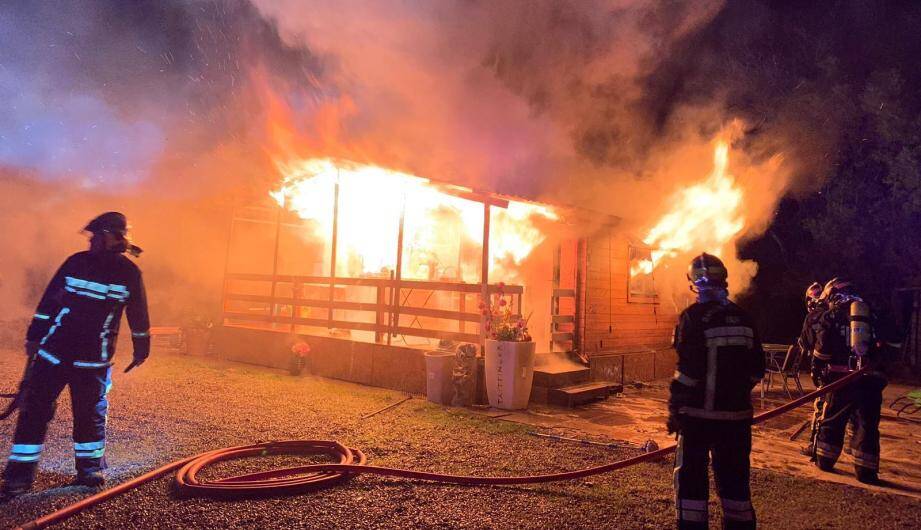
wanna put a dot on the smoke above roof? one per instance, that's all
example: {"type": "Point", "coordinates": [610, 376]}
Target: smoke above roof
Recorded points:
{"type": "Point", "coordinates": [162, 105]}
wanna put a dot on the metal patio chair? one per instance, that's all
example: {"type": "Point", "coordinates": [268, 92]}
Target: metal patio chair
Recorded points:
{"type": "Point", "coordinates": [786, 369]}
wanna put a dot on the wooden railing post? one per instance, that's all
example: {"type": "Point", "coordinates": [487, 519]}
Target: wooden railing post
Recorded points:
{"type": "Point", "coordinates": [484, 272]}
{"type": "Point", "coordinates": [398, 280]}
{"type": "Point", "coordinates": [226, 287]}
{"type": "Point", "coordinates": [273, 310]}
{"type": "Point", "coordinates": [333, 249]}
{"type": "Point", "coordinates": [381, 306]}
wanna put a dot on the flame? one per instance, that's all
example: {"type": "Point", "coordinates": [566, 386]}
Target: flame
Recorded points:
{"type": "Point", "coordinates": [438, 226]}
{"type": "Point", "coordinates": [704, 217]}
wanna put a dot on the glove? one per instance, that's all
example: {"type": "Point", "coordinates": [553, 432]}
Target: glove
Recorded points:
{"type": "Point", "coordinates": [137, 361]}
{"type": "Point", "coordinates": [31, 348]}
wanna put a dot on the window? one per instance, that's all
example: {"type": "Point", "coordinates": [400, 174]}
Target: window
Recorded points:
{"type": "Point", "coordinates": [641, 286]}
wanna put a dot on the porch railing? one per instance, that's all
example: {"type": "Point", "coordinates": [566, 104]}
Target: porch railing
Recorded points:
{"type": "Point", "coordinates": [391, 299]}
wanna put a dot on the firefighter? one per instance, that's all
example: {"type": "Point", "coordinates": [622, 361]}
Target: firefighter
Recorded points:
{"type": "Point", "coordinates": [844, 342]}
{"type": "Point", "coordinates": [815, 308]}
{"type": "Point", "coordinates": [71, 341]}
{"type": "Point", "coordinates": [720, 360]}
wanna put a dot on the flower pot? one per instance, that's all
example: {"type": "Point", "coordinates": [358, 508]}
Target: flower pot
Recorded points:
{"type": "Point", "coordinates": [509, 373]}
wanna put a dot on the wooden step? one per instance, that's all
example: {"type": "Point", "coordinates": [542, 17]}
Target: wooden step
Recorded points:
{"type": "Point", "coordinates": [560, 375]}
{"type": "Point", "coordinates": [575, 395]}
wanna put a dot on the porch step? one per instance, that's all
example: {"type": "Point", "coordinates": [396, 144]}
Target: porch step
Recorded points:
{"type": "Point", "coordinates": [580, 394]}
{"type": "Point", "coordinates": [560, 375]}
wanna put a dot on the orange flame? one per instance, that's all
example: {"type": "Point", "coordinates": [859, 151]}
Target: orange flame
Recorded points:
{"type": "Point", "coordinates": [704, 217]}
{"type": "Point", "coordinates": [438, 226]}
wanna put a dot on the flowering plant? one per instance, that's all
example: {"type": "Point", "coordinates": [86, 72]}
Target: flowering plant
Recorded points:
{"type": "Point", "coordinates": [300, 349]}
{"type": "Point", "coordinates": [501, 324]}
{"type": "Point", "coordinates": [299, 352]}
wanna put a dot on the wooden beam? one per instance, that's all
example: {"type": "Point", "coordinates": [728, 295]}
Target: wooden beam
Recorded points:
{"type": "Point", "coordinates": [395, 293]}
{"type": "Point", "coordinates": [360, 326]}
{"type": "Point", "coordinates": [472, 195]}
{"type": "Point", "coordinates": [562, 337]}
{"type": "Point", "coordinates": [334, 246]}
{"type": "Point", "coordinates": [484, 271]}
{"type": "Point", "coordinates": [437, 334]}
{"type": "Point", "coordinates": [375, 282]}
{"type": "Point", "coordinates": [275, 253]}
{"type": "Point", "coordinates": [226, 285]}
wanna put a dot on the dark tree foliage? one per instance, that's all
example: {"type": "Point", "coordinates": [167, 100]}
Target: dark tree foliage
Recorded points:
{"type": "Point", "coordinates": [864, 222]}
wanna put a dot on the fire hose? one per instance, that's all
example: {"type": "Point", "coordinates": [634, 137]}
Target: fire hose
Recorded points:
{"type": "Point", "coordinates": [351, 462]}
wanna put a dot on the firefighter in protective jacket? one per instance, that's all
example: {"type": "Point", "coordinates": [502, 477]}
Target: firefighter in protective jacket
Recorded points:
{"type": "Point", "coordinates": [844, 342]}
{"type": "Point", "coordinates": [72, 341]}
{"type": "Point", "coordinates": [719, 361]}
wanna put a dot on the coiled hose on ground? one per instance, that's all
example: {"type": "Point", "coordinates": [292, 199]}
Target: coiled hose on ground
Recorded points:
{"type": "Point", "coordinates": [352, 462]}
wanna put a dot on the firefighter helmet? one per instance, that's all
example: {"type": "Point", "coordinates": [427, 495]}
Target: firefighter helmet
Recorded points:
{"type": "Point", "coordinates": [707, 270]}
{"type": "Point", "coordinates": [813, 295]}
{"type": "Point", "coordinates": [114, 222]}
{"type": "Point", "coordinates": [837, 286]}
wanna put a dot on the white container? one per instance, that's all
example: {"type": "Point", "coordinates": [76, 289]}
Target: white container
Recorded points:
{"type": "Point", "coordinates": [509, 373]}
{"type": "Point", "coordinates": [439, 376]}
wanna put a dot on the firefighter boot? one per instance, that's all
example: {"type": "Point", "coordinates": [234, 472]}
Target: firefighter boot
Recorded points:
{"type": "Point", "coordinates": [867, 476]}
{"type": "Point", "coordinates": [17, 479]}
{"type": "Point", "coordinates": [90, 479]}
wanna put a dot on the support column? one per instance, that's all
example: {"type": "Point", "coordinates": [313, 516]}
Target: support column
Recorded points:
{"type": "Point", "coordinates": [273, 311]}
{"type": "Point", "coordinates": [333, 250]}
{"type": "Point", "coordinates": [484, 271]}
{"type": "Point", "coordinates": [395, 292]}
{"type": "Point", "coordinates": [226, 287]}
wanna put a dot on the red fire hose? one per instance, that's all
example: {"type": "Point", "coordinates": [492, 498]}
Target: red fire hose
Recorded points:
{"type": "Point", "coordinates": [351, 462]}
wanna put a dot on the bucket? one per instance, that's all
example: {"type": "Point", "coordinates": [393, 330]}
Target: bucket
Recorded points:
{"type": "Point", "coordinates": [509, 373]}
{"type": "Point", "coordinates": [439, 369]}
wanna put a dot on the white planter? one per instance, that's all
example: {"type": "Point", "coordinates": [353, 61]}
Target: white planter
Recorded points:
{"type": "Point", "coordinates": [509, 373]}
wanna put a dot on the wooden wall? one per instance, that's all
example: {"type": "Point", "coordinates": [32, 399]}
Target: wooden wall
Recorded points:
{"type": "Point", "coordinates": [612, 323]}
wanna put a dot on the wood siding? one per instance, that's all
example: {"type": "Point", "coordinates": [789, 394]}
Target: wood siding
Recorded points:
{"type": "Point", "coordinates": [612, 323]}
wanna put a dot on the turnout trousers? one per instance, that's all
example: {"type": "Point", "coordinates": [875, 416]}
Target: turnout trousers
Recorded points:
{"type": "Point", "coordinates": [729, 444]}
{"type": "Point", "coordinates": [859, 403]}
{"type": "Point", "coordinates": [817, 407]}
{"type": "Point", "coordinates": [89, 388]}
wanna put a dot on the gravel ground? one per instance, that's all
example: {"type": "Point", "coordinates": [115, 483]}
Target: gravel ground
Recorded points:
{"type": "Point", "coordinates": [174, 407]}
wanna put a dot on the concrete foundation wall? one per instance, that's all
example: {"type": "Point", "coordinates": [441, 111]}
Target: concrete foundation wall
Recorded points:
{"type": "Point", "coordinates": [628, 367]}
{"type": "Point", "coordinates": [397, 367]}
{"type": "Point", "coordinates": [379, 365]}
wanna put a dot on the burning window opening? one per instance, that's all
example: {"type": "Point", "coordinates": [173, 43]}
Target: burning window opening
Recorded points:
{"type": "Point", "coordinates": [642, 287]}
{"type": "Point", "coordinates": [442, 224]}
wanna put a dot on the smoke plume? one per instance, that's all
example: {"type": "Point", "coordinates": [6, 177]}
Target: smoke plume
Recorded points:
{"type": "Point", "coordinates": [171, 110]}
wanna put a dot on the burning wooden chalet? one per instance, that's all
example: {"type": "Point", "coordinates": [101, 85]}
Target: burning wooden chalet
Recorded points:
{"type": "Point", "coordinates": [373, 267]}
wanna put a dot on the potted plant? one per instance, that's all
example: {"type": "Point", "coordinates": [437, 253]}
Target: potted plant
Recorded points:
{"type": "Point", "coordinates": [509, 354]}
{"type": "Point", "coordinates": [299, 352]}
